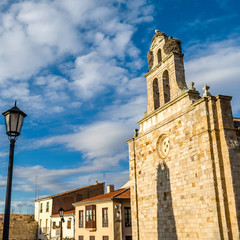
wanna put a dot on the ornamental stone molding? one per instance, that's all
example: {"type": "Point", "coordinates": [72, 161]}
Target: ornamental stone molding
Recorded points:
{"type": "Point", "coordinates": [163, 146]}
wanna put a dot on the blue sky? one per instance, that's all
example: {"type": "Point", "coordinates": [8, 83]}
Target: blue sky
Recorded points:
{"type": "Point", "coordinates": [76, 68]}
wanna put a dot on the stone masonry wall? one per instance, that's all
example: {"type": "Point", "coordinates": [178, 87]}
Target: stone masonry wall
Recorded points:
{"type": "Point", "coordinates": [193, 192]}
{"type": "Point", "coordinates": [22, 227]}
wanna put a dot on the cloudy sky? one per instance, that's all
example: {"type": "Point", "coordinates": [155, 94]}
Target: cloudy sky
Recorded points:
{"type": "Point", "coordinates": [76, 68]}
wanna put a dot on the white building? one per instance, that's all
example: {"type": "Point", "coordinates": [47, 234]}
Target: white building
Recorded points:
{"type": "Point", "coordinates": [68, 225]}
{"type": "Point", "coordinates": [46, 211]}
{"type": "Point", "coordinates": [43, 212]}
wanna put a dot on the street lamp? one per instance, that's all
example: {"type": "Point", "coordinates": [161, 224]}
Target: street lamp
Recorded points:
{"type": "Point", "coordinates": [61, 214]}
{"type": "Point", "coordinates": [13, 120]}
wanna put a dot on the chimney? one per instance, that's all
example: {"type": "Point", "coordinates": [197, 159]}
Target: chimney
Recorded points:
{"type": "Point", "coordinates": [110, 188]}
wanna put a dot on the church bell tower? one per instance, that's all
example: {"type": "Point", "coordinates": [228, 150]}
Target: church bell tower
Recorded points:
{"type": "Point", "coordinates": [166, 77]}
{"type": "Point", "coordinates": [184, 161]}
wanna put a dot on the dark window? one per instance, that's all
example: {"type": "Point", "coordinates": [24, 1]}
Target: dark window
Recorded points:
{"type": "Point", "coordinates": [166, 87]}
{"type": "Point", "coordinates": [156, 94]}
{"type": "Point", "coordinates": [90, 216]}
{"type": "Point", "coordinates": [41, 208]}
{"type": "Point", "coordinates": [53, 225]}
{"type": "Point", "coordinates": [159, 54]}
{"type": "Point", "coordinates": [47, 207]}
{"type": "Point", "coordinates": [92, 238]}
{"type": "Point", "coordinates": [128, 237]}
{"type": "Point", "coordinates": [127, 214]}
{"type": "Point", "coordinates": [105, 217]}
{"type": "Point", "coordinates": [81, 219]}
{"type": "Point", "coordinates": [40, 225]}
{"type": "Point", "coordinates": [105, 238]}
{"type": "Point", "coordinates": [80, 237]}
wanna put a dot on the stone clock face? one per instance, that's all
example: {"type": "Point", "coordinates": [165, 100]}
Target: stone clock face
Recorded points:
{"type": "Point", "coordinates": [163, 145]}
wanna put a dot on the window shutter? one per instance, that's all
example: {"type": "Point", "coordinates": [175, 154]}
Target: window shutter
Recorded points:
{"type": "Point", "coordinates": [69, 224]}
{"type": "Point", "coordinates": [81, 220]}
{"type": "Point", "coordinates": [94, 216]}
{"type": "Point", "coordinates": [90, 216]}
{"type": "Point", "coordinates": [105, 217]}
{"type": "Point", "coordinates": [88, 222]}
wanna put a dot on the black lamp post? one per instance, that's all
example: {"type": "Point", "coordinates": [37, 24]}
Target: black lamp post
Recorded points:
{"type": "Point", "coordinates": [13, 120]}
{"type": "Point", "coordinates": [61, 214]}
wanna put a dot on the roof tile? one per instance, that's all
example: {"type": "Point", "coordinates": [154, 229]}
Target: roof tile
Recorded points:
{"type": "Point", "coordinates": [74, 190]}
{"type": "Point", "coordinates": [120, 193]}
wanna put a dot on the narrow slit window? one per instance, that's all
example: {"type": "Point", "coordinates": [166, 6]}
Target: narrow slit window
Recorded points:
{"type": "Point", "coordinates": [156, 94]}
{"type": "Point", "coordinates": [105, 217]}
{"type": "Point", "coordinates": [159, 55]}
{"type": "Point", "coordinates": [81, 219]}
{"type": "Point", "coordinates": [127, 214]}
{"type": "Point", "coordinates": [166, 87]}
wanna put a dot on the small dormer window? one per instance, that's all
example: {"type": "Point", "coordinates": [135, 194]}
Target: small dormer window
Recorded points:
{"type": "Point", "coordinates": [159, 55]}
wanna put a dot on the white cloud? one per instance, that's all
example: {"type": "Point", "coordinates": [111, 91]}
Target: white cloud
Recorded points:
{"type": "Point", "coordinates": [92, 74]}
{"type": "Point", "coordinates": [130, 112]}
{"type": "Point", "coordinates": [53, 88]}
{"type": "Point", "coordinates": [19, 207]}
{"type": "Point", "coordinates": [80, 11]}
{"type": "Point", "coordinates": [47, 24]}
{"type": "Point", "coordinates": [99, 139]}
{"type": "Point", "coordinates": [34, 35]}
{"type": "Point", "coordinates": [58, 180]}
{"type": "Point", "coordinates": [217, 64]}
{"type": "Point", "coordinates": [2, 182]}
{"type": "Point", "coordinates": [132, 87]}
{"type": "Point", "coordinates": [96, 34]}
{"type": "Point", "coordinates": [102, 144]}
{"type": "Point", "coordinates": [103, 139]}
{"type": "Point", "coordinates": [116, 178]}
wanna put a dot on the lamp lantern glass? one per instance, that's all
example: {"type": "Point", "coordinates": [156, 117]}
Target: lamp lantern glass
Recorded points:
{"type": "Point", "coordinates": [61, 212]}
{"type": "Point", "coordinates": [14, 119]}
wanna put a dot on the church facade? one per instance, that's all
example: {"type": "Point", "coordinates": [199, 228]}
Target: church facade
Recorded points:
{"type": "Point", "coordinates": [185, 160]}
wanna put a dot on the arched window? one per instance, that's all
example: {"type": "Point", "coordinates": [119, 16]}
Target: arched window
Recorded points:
{"type": "Point", "coordinates": [159, 55]}
{"type": "Point", "coordinates": [156, 94]}
{"type": "Point", "coordinates": [166, 87]}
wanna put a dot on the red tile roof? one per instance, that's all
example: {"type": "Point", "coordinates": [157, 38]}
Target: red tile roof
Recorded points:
{"type": "Point", "coordinates": [67, 212]}
{"type": "Point", "coordinates": [70, 191]}
{"type": "Point", "coordinates": [119, 194]}
{"type": "Point", "coordinates": [124, 195]}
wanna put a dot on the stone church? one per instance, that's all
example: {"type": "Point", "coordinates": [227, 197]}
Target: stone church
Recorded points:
{"type": "Point", "coordinates": [185, 158]}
